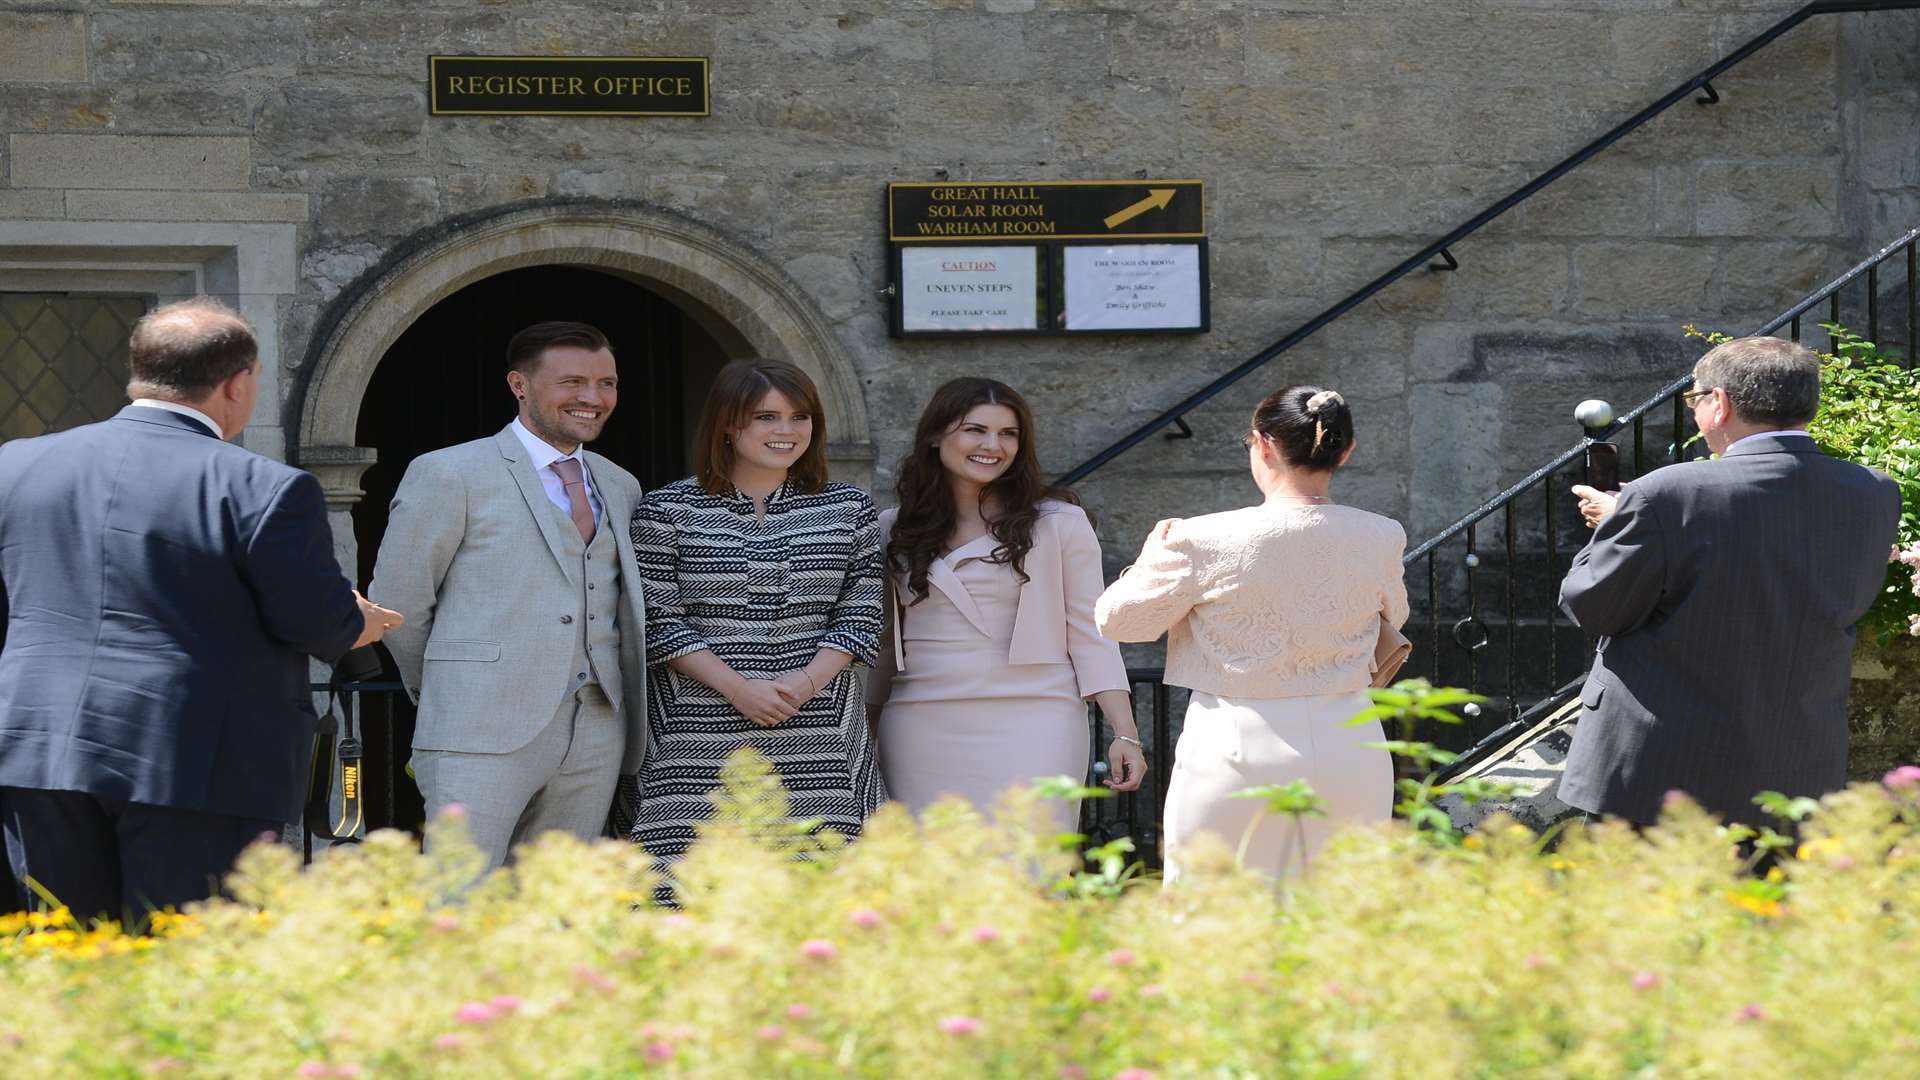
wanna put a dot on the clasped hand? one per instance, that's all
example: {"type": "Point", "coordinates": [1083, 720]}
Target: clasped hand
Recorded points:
{"type": "Point", "coordinates": [1594, 503]}
{"type": "Point", "coordinates": [767, 702]}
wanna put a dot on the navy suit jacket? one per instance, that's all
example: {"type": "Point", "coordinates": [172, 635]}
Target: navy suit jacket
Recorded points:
{"type": "Point", "coordinates": [163, 590]}
{"type": "Point", "coordinates": [1726, 593]}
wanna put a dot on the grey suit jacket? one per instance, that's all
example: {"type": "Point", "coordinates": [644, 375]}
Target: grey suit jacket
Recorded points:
{"type": "Point", "coordinates": [473, 556]}
{"type": "Point", "coordinates": [1725, 593]}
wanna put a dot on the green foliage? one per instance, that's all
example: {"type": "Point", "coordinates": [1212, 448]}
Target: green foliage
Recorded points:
{"type": "Point", "coordinates": [1870, 413]}
{"type": "Point", "coordinates": [1404, 706]}
{"type": "Point", "coordinates": [929, 949]}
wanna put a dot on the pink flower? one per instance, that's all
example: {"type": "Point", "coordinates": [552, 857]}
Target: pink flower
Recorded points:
{"type": "Point", "coordinates": [158, 1066]}
{"type": "Point", "coordinates": [599, 980]}
{"type": "Point", "coordinates": [819, 949]}
{"type": "Point", "coordinates": [660, 1050]}
{"type": "Point", "coordinates": [772, 1032]}
{"type": "Point", "coordinates": [1134, 1074]}
{"type": "Point", "coordinates": [1152, 990]}
{"type": "Point", "coordinates": [1073, 1072]}
{"type": "Point", "coordinates": [1535, 961]}
{"type": "Point", "coordinates": [1750, 1011]}
{"type": "Point", "coordinates": [959, 1025]}
{"type": "Point", "coordinates": [676, 920]}
{"type": "Point", "coordinates": [1099, 994]}
{"type": "Point", "coordinates": [453, 811]}
{"type": "Point", "coordinates": [504, 1004]}
{"type": "Point", "coordinates": [449, 1041]}
{"type": "Point", "coordinates": [1903, 777]}
{"type": "Point", "coordinates": [313, 1069]}
{"type": "Point", "coordinates": [346, 1072]}
{"type": "Point", "coordinates": [865, 918]}
{"type": "Point", "coordinates": [1673, 797]}
{"type": "Point", "coordinates": [1121, 957]}
{"type": "Point", "coordinates": [444, 923]}
{"type": "Point", "coordinates": [473, 1012]}
{"type": "Point", "coordinates": [985, 933]}
{"type": "Point", "coordinates": [1645, 980]}
{"type": "Point", "coordinates": [799, 1012]}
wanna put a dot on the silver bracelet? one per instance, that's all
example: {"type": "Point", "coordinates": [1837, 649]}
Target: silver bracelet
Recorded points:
{"type": "Point", "coordinates": [1117, 737]}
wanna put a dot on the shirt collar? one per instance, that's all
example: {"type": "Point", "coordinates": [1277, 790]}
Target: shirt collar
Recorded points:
{"type": "Point", "coordinates": [184, 410]}
{"type": "Point", "coordinates": [1788, 434]}
{"type": "Point", "coordinates": [540, 450]}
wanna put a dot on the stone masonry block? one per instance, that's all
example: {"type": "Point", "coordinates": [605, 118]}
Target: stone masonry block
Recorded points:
{"type": "Point", "coordinates": [138, 107]}
{"type": "Point", "coordinates": [43, 46]}
{"type": "Point", "coordinates": [1619, 281]}
{"type": "Point", "coordinates": [396, 40]}
{"type": "Point", "coordinates": [1296, 48]}
{"type": "Point", "coordinates": [1453, 430]}
{"type": "Point", "coordinates": [854, 49]}
{"type": "Point", "coordinates": [1763, 277]}
{"type": "Point", "coordinates": [1260, 124]}
{"type": "Point", "coordinates": [28, 205]}
{"type": "Point", "coordinates": [1765, 200]}
{"type": "Point", "coordinates": [1161, 42]}
{"type": "Point", "coordinates": [1003, 49]}
{"type": "Point", "coordinates": [185, 206]}
{"type": "Point", "coordinates": [56, 107]}
{"type": "Point", "coordinates": [301, 122]}
{"type": "Point", "coordinates": [1655, 51]}
{"type": "Point", "coordinates": [193, 46]}
{"type": "Point", "coordinates": [169, 163]}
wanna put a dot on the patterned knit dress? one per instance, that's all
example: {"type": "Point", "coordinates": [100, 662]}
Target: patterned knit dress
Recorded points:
{"type": "Point", "coordinates": [764, 595]}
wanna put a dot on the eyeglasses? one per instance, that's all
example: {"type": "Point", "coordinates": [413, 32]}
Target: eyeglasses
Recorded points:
{"type": "Point", "coordinates": [1693, 397]}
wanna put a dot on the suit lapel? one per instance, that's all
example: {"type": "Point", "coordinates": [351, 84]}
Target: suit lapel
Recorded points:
{"type": "Point", "coordinates": [521, 469]}
{"type": "Point", "coordinates": [942, 577]}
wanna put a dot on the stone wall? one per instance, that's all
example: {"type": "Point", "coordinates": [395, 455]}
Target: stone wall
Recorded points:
{"type": "Point", "coordinates": [1336, 138]}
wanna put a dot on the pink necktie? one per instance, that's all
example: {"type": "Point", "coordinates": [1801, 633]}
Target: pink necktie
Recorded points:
{"type": "Point", "coordinates": [576, 482]}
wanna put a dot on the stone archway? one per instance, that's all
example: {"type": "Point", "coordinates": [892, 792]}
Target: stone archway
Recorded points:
{"type": "Point", "coordinates": [746, 303]}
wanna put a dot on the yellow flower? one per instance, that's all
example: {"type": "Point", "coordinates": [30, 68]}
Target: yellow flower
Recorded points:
{"type": "Point", "coordinates": [1756, 905]}
{"type": "Point", "coordinates": [1825, 847]}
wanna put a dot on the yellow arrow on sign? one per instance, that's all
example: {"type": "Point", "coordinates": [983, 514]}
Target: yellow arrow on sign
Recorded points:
{"type": "Point", "coordinates": [1157, 199]}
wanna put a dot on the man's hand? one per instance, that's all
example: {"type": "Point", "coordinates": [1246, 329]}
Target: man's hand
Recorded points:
{"type": "Point", "coordinates": [760, 702]}
{"type": "Point", "coordinates": [376, 620]}
{"type": "Point", "coordinates": [1594, 503]}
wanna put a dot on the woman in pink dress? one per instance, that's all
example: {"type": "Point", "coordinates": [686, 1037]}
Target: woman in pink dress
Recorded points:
{"type": "Point", "coordinates": [989, 654]}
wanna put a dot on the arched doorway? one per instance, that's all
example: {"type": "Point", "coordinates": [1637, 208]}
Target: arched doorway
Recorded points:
{"type": "Point", "coordinates": [444, 381]}
{"type": "Point", "coordinates": [411, 356]}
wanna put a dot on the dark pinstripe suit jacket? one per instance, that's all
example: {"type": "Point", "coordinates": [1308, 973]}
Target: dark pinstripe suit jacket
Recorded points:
{"type": "Point", "coordinates": [1725, 593]}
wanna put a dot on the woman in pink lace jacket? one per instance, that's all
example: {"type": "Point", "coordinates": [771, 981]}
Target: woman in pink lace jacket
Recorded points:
{"type": "Point", "coordinates": [1271, 614]}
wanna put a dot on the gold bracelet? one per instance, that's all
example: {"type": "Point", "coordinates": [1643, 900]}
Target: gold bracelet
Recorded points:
{"type": "Point", "coordinates": [810, 682]}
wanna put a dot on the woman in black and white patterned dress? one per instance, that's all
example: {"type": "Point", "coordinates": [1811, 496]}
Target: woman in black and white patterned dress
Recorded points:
{"type": "Point", "coordinates": [763, 585]}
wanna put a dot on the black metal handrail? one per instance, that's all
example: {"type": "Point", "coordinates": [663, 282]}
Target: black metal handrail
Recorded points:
{"type": "Point", "coordinates": [1440, 248]}
{"type": "Point", "coordinates": [1461, 665]}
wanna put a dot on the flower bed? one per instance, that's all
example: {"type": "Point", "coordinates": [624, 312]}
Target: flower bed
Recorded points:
{"type": "Point", "coordinates": [930, 952]}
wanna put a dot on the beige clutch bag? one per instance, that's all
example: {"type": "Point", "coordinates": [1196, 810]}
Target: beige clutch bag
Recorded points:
{"type": "Point", "coordinates": [1390, 650]}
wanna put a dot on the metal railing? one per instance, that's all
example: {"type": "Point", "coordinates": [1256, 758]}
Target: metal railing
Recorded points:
{"type": "Point", "coordinates": [1701, 83]}
{"type": "Point", "coordinates": [1527, 547]}
{"type": "Point", "coordinates": [392, 803]}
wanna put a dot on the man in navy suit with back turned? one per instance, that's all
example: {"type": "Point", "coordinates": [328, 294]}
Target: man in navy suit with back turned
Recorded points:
{"type": "Point", "coordinates": [163, 589]}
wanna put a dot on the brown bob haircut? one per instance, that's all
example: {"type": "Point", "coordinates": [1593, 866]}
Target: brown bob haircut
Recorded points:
{"type": "Point", "coordinates": [736, 390]}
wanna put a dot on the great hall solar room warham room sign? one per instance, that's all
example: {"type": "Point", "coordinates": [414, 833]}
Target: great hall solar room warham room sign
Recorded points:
{"type": "Point", "coordinates": [1048, 257]}
{"type": "Point", "coordinates": [569, 85]}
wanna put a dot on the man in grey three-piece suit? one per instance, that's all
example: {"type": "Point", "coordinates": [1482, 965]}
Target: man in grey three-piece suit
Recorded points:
{"type": "Point", "coordinates": [524, 644]}
{"type": "Point", "coordinates": [1725, 593]}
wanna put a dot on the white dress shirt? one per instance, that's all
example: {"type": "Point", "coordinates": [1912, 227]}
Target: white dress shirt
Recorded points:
{"type": "Point", "coordinates": [183, 410]}
{"type": "Point", "coordinates": [543, 455]}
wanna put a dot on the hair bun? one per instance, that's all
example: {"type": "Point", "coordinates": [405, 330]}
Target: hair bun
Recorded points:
{"type": "Point", "coordinates": [1323, 399]}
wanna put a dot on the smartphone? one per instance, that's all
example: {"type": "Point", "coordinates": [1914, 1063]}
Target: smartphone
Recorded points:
{"type": "Point", "coordinates": [1603, 466]}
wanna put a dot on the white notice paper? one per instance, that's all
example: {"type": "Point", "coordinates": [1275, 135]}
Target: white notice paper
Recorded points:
{"type": "Point", "coordinates": [969, 288]}
{"type": "Point", "coordinates": [1133, 287]}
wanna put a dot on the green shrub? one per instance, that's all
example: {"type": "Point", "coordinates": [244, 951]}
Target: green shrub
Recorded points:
{"type": "Point", "coordinates": [931, 951]}
{"type": "Point", "coordinates": [1870, 413]}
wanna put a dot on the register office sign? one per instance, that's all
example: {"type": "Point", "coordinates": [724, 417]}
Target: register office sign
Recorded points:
{"type": "Point", "coordinates": [958, 289]}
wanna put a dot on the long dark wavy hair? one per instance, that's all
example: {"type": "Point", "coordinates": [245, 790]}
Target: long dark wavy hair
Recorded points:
{"type": "Point", "coordinates": [925, 494]}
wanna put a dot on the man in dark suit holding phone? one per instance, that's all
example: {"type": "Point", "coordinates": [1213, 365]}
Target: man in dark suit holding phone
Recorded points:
{"type": "Point", "coordinates": [1724, 594]}
{"type": "Point", "coordinates": [164, 589]}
